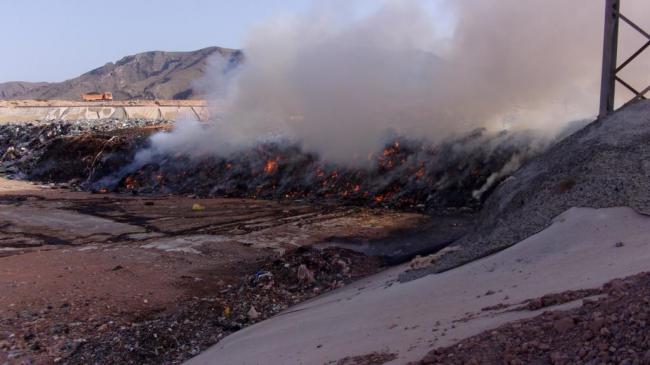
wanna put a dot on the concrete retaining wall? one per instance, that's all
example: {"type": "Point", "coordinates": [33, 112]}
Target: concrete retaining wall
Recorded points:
{"type": "Point", "coordinates": [24, 114]}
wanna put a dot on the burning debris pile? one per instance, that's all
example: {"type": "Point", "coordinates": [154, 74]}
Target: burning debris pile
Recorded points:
{"type": "Point", "coordinates": [407, 174]}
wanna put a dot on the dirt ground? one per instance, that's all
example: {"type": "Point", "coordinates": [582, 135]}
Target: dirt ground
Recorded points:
{"type": "Point", "coordinates": [78, 266]}
{"type": "Point", "coordinates": [611, 328]}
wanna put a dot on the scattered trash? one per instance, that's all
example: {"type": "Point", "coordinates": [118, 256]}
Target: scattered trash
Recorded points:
{"type": "Point", "coordinates": [25, 148]}
{"type": "Point", "coordinates": [198, 207]}
{"type": "Point", "coordinates": [305, 275]}
{"type": "Point", "coordinates": [260, 274]}
{"type": "Point", "coordinates": [227, 312]}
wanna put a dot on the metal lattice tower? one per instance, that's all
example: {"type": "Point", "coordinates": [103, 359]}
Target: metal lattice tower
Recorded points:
{"type": "Point", "coordinates": [610, 77]}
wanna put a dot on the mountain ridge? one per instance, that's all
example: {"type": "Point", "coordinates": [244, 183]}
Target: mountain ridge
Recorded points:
{"type": "Point", "coordinates": [146, 75]}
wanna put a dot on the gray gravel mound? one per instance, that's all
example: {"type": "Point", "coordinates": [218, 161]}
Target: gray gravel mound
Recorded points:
{"type": "Point", "coordinates": [605, 164]}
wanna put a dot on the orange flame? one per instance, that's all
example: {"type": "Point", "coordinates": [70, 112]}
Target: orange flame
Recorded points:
{"type": "Point", "coordinates": [271, 166]}
{"type": "Point", "coordinates": [130, 183]}
{"type": "Point", "coordinates": [420, 173]}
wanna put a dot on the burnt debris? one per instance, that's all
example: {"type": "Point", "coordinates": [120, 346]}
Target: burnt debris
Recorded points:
{"type": "Point", "coordinates": [456, 174]}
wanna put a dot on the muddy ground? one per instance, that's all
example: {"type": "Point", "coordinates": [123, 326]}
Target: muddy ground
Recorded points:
{"type": "Point", "coordinates": [110, 278]}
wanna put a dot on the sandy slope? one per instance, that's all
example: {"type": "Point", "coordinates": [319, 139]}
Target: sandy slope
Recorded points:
{"type": "Point", "coordinates": [579, 250]}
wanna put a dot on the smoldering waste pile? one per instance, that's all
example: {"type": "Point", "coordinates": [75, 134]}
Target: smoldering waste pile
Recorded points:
{"type": "Point", "coordinates": [455, 174]}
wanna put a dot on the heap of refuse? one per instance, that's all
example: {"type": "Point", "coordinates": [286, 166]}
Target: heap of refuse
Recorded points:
{"type": "Point", "coordinates": [454, 175]}
{"type": "Point", "coordinates": [24, 145]}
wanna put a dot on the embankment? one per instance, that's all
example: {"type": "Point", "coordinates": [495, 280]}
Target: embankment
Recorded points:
{"type": "Point", "coordinates": [46, 110]}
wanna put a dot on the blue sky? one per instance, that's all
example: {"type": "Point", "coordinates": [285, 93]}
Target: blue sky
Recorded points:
{"type": "Point", "coordinates": [47, 40]}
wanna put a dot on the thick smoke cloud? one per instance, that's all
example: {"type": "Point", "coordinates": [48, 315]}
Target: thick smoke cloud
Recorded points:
{"type": "Point", "coordinates": [340, 84]}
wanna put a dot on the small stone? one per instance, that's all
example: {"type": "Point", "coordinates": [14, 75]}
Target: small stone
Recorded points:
{"type": "Point", "coordinates": [253, 313]}
{"type": "Point", "coordinates": [563, 325]}
{"type": "Point", "coordinates": [596, 324]}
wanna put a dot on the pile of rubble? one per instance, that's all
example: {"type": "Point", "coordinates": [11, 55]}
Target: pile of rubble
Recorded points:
{"type": "Point", "coordinates": [275, 284]}
{"type": "Point", "coordinates": [609, 329]}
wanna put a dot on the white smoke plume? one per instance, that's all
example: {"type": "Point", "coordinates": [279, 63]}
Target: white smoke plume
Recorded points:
{"type": "Point", "coordinates": [339, 83]}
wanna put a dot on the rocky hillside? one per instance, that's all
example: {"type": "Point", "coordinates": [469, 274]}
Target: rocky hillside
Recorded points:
{"type": "Point", "coordinates": [10, 90]}
{"type": "Point", "coordinates": [149, 75]}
